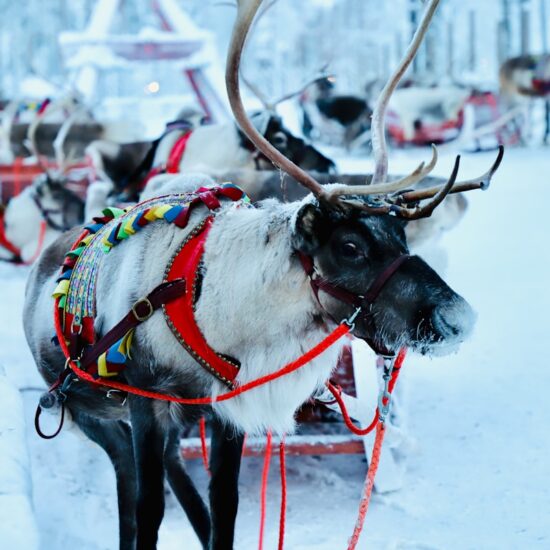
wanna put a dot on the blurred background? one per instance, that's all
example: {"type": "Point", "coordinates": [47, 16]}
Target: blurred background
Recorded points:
{"type": "Point", "coordinates": [128, 55]}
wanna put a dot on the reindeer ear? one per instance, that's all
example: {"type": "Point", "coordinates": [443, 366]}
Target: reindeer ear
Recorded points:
{"type": "Point", "coordinates": [307, 230]}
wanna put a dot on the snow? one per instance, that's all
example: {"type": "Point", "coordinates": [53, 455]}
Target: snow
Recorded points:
{"type": "Point", "coordinates": [37, 87]}
{"type": "Point", "coordinates": [478, 474]}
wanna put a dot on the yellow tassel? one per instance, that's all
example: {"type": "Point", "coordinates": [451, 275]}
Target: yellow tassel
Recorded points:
{"type": "Point", "coordinates": [162, 209]}
{"type": "Point", "coordinates": [61, 289]}
{"type": "Point", "coordinates": [128, 226]}
{"type": "Point", "coordinates": [151, 216]}
{"type": "Point", "coordinates": [86, 240]}
{"type": "Point", "coordinates": [102, 367]}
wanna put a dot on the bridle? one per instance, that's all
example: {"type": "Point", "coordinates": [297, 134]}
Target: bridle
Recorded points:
{"type": "Point", "coordinates": [362, 303]}
{"type": "Point", "coordinates": [47, 213]}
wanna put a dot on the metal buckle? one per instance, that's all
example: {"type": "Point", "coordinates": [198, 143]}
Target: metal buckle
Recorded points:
{"type": "Point", "coordinates": [385, 395]}
{"type": "Point", "coordinates": [142, 318]}
{"type": "Point", "coordinates": [350, 321]}
{"type": "Point", "coordinates": [117, 395]}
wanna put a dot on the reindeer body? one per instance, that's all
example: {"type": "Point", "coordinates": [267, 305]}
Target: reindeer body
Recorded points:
{"type": "Point", "coordinates": [210, 149]}
{"type": "Point", "coordinates": [23, 218]}
{"type": "Point", "coordinates": [228, 314]}
{"type": "Point", "coordinates": [416, 106]}
{"type": "Point", "coordinates": [525, 78]}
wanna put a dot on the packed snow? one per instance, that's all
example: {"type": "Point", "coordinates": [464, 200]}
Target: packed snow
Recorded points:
{"type": "Point", "coordinates": [476, 477]}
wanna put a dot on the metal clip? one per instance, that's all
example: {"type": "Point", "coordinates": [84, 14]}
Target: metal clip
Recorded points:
{"type": "Point", "coordinates": [384, 399]}
{"type": "Point", "coordinates": [117, 395]}
{"type": "Point", "coordinates": [350, 321]}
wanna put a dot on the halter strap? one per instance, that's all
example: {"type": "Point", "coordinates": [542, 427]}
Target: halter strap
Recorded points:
{"type": "Point", "coordinates": [359, 301]}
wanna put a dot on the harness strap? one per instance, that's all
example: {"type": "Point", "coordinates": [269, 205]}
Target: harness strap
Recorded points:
{"type": "Point", "coordinates": [5, 242]}
{"type": "Point", "coordinates": [176, 154]}
{"type": "Point", "coordinates": [142, 310]}
{"type": "Point", "coordinates": [362, 303]}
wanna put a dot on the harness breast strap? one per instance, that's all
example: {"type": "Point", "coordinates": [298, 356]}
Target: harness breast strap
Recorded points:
{"type": "Point", "coordinates": [180, 313]}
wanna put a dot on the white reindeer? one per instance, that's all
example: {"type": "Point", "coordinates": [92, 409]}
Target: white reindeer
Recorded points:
{"type": "Point", "coordinates": [272, 281]}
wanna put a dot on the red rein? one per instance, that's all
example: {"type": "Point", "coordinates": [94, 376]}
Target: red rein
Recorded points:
{"type": "Point", "coordinates": [314, 352]}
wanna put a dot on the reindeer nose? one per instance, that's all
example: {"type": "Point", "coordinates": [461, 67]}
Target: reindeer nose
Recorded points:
{"type": "Point", "coordinates": [454, 320]}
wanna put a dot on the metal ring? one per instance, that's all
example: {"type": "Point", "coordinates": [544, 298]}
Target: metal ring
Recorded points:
{"type": "Point", "coordinates": [142, 318]}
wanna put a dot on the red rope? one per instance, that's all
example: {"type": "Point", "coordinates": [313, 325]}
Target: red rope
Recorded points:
{"type": "Point", "coordinates": [282, 517]}
{"type": "Point", "coordinates": [204, 449]}
{"type": "Point", "coordinates": [369, 484]}
{"type": "Point", "coordinates": [314, 352]}
{"type": "Point", "coordinates": [41, 237]}
{"type": "Point", "coordinates": [376, 451]}
{"type": "Point", "coordinates": [263, 498]}
{"type": "Point", "coordinates": [347, 419]}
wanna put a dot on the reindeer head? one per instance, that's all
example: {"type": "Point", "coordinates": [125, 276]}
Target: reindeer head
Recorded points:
{"type": "Point", "coordinates": [350, 250]}
{"type": "Point", "coordinates": [271, 127]}
{"type": "Point", "coordinates": [351, 240]}
{"type": "Point", "coordinates": [59, 207]}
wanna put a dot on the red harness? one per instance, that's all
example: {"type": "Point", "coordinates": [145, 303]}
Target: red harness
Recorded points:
{"type": "Point", "coordinates": [5, 242]}
{"type": "Point", "coordinates": [180, 313]}
{"type": "Point", "coordinates": [177, 295]}
{"type": "Point", "coordinates": [172, 165]}
{"type": "Point", "coordinates": [176, 154]}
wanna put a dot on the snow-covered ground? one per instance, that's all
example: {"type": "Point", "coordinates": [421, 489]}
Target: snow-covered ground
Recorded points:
{"type": "Point", "coordinates": [479, 475]}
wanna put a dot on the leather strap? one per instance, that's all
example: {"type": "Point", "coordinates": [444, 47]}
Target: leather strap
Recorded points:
{"type": "Point", "coordinates": [142, 310]}
{"type": "Point", "coordinates": [364, 302]}
{"type": "Point", "coordinates": [344, 295]}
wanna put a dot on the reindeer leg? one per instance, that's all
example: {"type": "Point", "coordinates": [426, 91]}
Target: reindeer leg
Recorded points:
{"type": "Point", "coordinates": [184, 489]}
{"type": "Point", "coordinates": [225, 463]}
{"type": "Point", "coordinates": [115, 438]}
{"type": "Point", "coordinates": [148, 439]}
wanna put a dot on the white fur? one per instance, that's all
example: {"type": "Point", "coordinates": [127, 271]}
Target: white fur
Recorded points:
{"type": "Point", "coordinates": [96, 198]}
{"type": "Point", "coordinates": [23, 220]}
{"type": "Point", "coordinates": [212, 149]}
{"type": "Point", "coordinates": [255, 305]}
{"type": "Point", "coordinates": [413, 103]}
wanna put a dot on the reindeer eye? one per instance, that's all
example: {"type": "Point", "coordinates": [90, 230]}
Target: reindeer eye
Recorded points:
{"type": "Point", "coordinates": [350, 250]}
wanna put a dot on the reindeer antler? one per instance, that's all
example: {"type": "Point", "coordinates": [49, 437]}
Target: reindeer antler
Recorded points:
{"type": "Point", "coordinates": [32, 145]}
{"type": "Point", "coordinates": [33, 127]}
{"type": "Point", "coordinates": [389, 198]}
{"type": "Point", "coordinates": [378, 183]}
{"type": "Point", "coordinates": [60, 138]}
{"type": "Point", "coordinates": [247, 10]}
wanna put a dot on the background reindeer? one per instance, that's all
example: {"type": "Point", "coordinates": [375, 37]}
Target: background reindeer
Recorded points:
{"type": "Point", "coordinates": [41, 212]}
{"type": "Point", "coordinates": [210, 148]}
{"type": "Point", "coordinates": [322, 108]}
{"type": "Point", "coordinates": [252, 278]}
{"type": "Point", "coordinates": [527, 77]}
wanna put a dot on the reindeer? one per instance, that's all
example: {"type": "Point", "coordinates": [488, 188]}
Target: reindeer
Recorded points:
{"type": "Point", "coordinates": [348, 113]}
{"type": "Point", "coordinates": [255, 303]}
{"type": "Point", "coordinates": [41, 212]}
{"type": "Point", "coordinates": [527, 77]}
{"type": "Point", "coordinates": [208, 148]}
